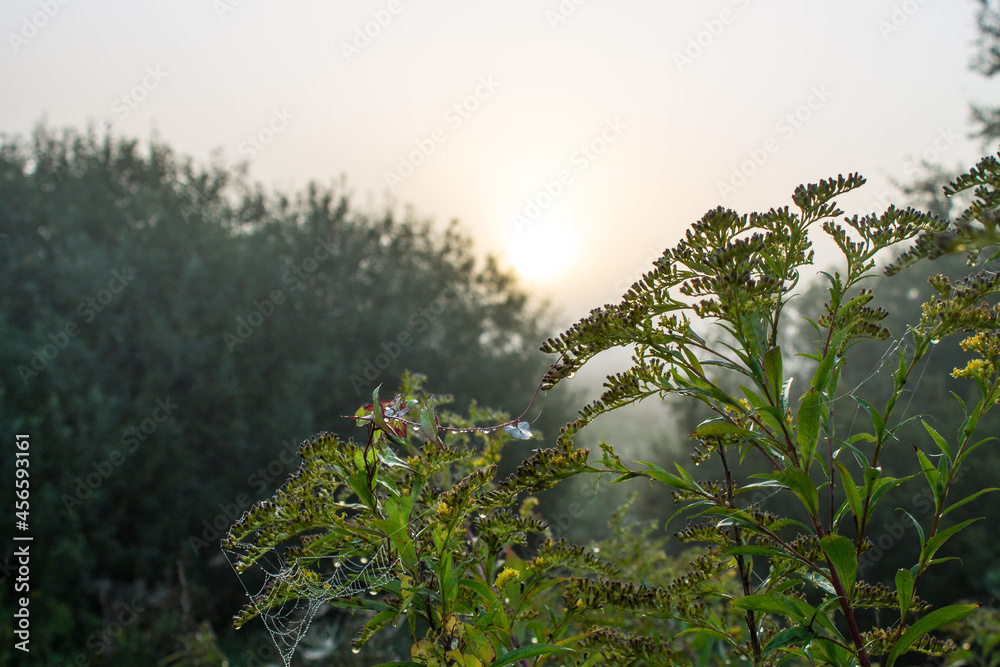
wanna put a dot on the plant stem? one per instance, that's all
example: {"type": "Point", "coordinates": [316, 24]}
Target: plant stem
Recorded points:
{"type": "Point", "coordinates": [845, 604]}
{"type": "Point", "coordinates": [751, 617]}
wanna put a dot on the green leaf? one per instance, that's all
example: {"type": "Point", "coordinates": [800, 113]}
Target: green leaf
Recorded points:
{"type": "Point", "coordinates": [802, 486]}
{"type": "Point", "coordinates": [969, 499]}
{"type": "Point", "coordinates": [934, 478]}
{"type": "Point", "coordinates": [931, 621]}
{"type": "Point", "coordinates": [843, 554]}
{"type": "Point", "coordinates": [720, 427]}
{"type": "Point", "coordinates": [938, 439]}
{"type": "Point", "coordinates": [511, 657]}
{"type": "Point", "coordinates": [884, 484]}
{"type": "Point", "coordinates": [396, 526]}
{"type": "Point", "coordinates": [808, 425]}
{"type": "Point", "coordinates": [767, 603]}
{"type": "Point", "coordinates": [935, 542]}
{"type": "Point", "coordinates": [480, 588]}
{"type": "Point", "coordinates": [755, 550]}
{"type": "Point", "coordinates": [772, 369]}
{"type": "Point", "coordinates": [428, 423]}
{"type": "Point", "coordinates": [771, 415]}
{"type": "Point", "coordinates": [851, 490]}
{"type": "Point", "coordinates": [904, 589]}
{"type": "Point", "coordinates": [972, 448]}
{"type": "Point", "coordinates": [823, 372]}
{"type": "Point", "coordinates": [661, 475]}
{"type": "Point", "coordinates": [916, 524]}
{"type": "Point", "coordinates": [874, 415]}
{"type": "Point", "coordinates": [788, 637]}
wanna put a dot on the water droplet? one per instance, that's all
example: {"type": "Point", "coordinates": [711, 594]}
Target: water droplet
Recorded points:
{"type": "Point", "coordinates": [336, 564]}
{"type": "Point", "coordinates": [364, 561]}
{"type": "Point", "coordinates": [372, 592]}
{"type": "Point", "coordinates": [355, 650]}
{"type": "Point", "coordinates": [597, 550]}
{"type": "Point", "coordinates": [534, 640]}
{"type": "Point", "coordinates": [935, 341]}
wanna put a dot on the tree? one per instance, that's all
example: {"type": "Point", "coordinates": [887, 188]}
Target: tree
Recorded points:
{"type": "Point", "coordinates": [987, 63]}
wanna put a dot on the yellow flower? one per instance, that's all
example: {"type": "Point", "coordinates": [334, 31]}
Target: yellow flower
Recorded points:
{"type": "Point", "coordinates": [975, 368]}
{"type": "Point", "coordinates": [505, 578]}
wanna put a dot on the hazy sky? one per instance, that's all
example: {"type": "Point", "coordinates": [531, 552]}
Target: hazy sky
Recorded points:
{"type": "Point", "coordinates": [575, 138]}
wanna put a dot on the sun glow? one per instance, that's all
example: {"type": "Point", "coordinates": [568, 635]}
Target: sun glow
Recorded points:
{"type": "Point", "coordinates": [542, 251]}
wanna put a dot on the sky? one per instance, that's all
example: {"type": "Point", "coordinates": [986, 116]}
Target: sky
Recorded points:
{"type": "Point", "coordinates": [575, 139]}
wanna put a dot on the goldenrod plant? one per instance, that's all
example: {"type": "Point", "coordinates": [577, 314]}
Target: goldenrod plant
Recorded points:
{"type": "Point", "coordinates": [800, 591]}
{"type": "Point", "coordinates": [413, 524]}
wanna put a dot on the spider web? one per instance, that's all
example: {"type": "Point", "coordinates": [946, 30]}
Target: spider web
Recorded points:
{"type": "Point", "coordinates": [329, 578]}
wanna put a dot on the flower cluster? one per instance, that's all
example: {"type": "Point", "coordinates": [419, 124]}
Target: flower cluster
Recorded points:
{"type": "Point", "coordinates": [983, 370]}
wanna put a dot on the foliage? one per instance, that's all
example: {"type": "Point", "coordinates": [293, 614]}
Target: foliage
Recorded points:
{"type": "Point", "coordinates": [126, 488]}
{"type": "Point", "coordinates": [799, 572]}
{"type": "Point", "coordinates": [793, 577]}
{"type": "Point", "coordinates": [987, 62]}
{"type": "Point", "coordinates": [978, 639]}
{"type": "Point", "coordinates": [421, 499]}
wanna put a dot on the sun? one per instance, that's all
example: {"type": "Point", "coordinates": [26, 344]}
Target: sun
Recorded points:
{"type": "Point", "coordinates": [541, 251]}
